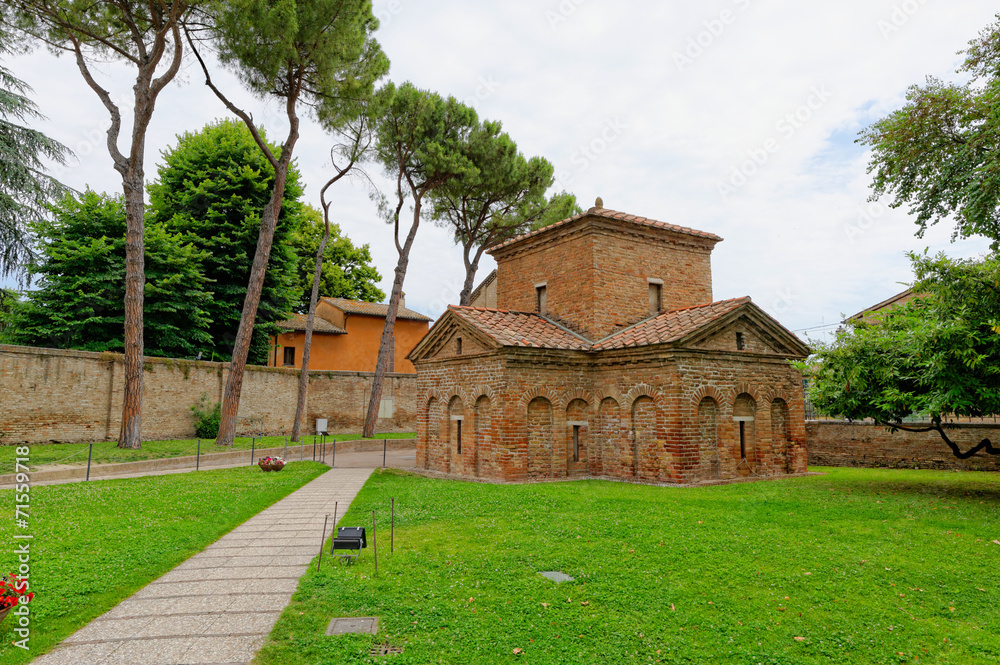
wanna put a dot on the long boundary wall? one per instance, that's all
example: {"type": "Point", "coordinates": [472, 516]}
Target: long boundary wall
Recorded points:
{"type": "Point", "coordinates": [839, 443]}
{"type": "Point", "coordinates": [67, 396]}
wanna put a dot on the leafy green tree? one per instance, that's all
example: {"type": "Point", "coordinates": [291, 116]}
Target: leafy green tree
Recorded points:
{"type": "Point", "coordinates": [25, 189]}
{"type": "Point", "coordinates": [212, 187]}
{"type": "Point", "coordinates": [938, 154]}
{"type": "Point", "coordinates": [320, 53]}
{"type": "Point", "coordinates": [422, 143]}
{"type": "Point", "coordinates": [347, 271]}
{"type": "Point", "coordinates": [79, 303]}
{"type": "Point", "coordinates": [11, 306]}
{"type": "Point", "coordinates": [147, 36]}
{"type": "Point", "coordinates": [498, 199]}
{"type": "Point", "coordinates": [937, 355]}
{"type": "Point", "coordinates": [560, 206]}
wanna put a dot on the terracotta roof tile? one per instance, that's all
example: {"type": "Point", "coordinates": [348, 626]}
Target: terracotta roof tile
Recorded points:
{"type": "Point", "coordinates": [298, 322]}
{"type": "Point", "coordinates": [611, 214]}
{"type": "Point", "coordinates": [374, 309]}
{"type": "Point", "coordinates": [521, 329]}
{"type": "Point", "coordinates": [529, 329]}
{"type": "Point", "coordinates": [669, 326]}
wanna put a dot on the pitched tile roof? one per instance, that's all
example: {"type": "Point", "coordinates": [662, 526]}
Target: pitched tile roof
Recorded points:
{"type": "Point", "coordinates": [521, 328]}
{"type": "Point", "coordinates": [298, 322]}
{"type": "Point", "coordinates": [610, 214]}
{"type": "Point", "coordinates": [669, 326]}
{"type": "Point", "coordinates": [532, 330]}
{"type": "Point", "coordinates": [374, 309]}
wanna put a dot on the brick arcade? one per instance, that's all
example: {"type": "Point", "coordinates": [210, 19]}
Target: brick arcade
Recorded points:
{"type": "Point", "coordinates": [607, 357]}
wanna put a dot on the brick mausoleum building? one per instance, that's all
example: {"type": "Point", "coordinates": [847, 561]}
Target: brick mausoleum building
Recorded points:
{"type": "Point", "coordinates": [606, 356]}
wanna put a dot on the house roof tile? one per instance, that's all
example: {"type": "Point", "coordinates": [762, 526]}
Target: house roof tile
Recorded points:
{"type": "Point", "coordinates": [610, 214]}
{"type": "Point", "coordinates": [373, 309]}
{"type": "Point", "coordinates": [669, 326]}
{"type": "Point", "coordinates": [529, 329]}
{"type": "Point", "coordinates": [521, 329]}
{"type": "Point", "coordinates": [298, 322]}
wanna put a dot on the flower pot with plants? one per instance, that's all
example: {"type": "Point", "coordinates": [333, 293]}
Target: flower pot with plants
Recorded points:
{"type": "Point", "coordinates": [13, 592]}
{"type": "Point", "coordinates": [271, 463]}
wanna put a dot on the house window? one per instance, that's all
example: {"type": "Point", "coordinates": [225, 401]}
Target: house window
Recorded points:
{"type": "Point", "coordinates": [576, 443]}
{"type": "Point", "coordinates": [655, 298]}
{"type": "Point", "coordinates": [540, 298]}
{"type": "Point", "coordinates": [289, 356]}
{"type": "Point", "coordinates": [739, 341]}
{"type": "Point", "coordinates": [458, 435]}
{"type": "Point", "coordinates": [458, 346]}
{"type": "Point", "coordinates": [743, 440]}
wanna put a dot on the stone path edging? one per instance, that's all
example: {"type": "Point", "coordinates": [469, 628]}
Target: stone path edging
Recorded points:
{"type": "Point", "coordinates": [218, 606]}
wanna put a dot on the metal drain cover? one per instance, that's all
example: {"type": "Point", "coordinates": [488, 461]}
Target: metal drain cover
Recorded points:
{"type": "Point", "coordinates": [346, 625]}
{"type": "Point", "coordinates": [556, 576]}
{"type": "Point", "coordinates": [385, 649]}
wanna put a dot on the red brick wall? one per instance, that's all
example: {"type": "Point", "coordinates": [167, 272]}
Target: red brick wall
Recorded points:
{"type": "Point", "coordinates": [55, 395]}
{"type": "Point", "coordinates": [646, 402]}
{"type": "Point", "coordinates": [596, 274]}
{"type": "Point", "coordinates": [836, 443]}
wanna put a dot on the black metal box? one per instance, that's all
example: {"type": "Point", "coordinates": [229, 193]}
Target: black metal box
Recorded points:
{"type": "Point", "coordinates": [350, 538]}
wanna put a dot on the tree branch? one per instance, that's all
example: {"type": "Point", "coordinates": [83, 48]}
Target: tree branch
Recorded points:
{"type": "Point", "coordinates": [121, 162]}
{"type": "Point", "coordinates": [243, 115]}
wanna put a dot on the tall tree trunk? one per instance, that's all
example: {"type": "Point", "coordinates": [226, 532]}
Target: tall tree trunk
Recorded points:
{"type": "Point", "coordinates": [300, 403]}
{"type": "Point", "coordinates": [241, 347]}
{"type": "Point", "coordinates": [471, 267]}
{"type": "Point", "coordinates": [385, 347]}
{"type": "Point", "coordinates": [130, 435]}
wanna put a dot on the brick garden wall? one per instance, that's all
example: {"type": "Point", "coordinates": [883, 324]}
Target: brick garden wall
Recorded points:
{"type": "Point", "coordinates": [836, 443]}
{"type": "Point", "coordinates": [54, 395]}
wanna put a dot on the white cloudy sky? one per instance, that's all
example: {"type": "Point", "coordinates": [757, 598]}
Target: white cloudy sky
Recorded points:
{"type": "Point", "coordinates": [650, 105]}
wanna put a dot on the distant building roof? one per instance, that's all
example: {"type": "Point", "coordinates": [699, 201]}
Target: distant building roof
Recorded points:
{"type": "Point", "coordinates": [610, 214]}
{"type": "Point", "coordinates": [489, 279]}
{"type": "Point", "coordinates": [895, 300]}
{"type": "Point", "coordinates": [374, 309]}
{"type": "Point", "coordinates": [298, 322]}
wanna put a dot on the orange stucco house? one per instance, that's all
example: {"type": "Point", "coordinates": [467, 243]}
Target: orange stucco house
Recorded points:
{"type": "Point", "coordinates": [346, 336]}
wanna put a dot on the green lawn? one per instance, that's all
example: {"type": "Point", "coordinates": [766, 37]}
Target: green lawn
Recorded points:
{"type": "Point", "coordinates": [108, 452]}
{"type": "Point", "coordinates": [94, 544]}
{"type": "Point", "coordinates": [856, 566]}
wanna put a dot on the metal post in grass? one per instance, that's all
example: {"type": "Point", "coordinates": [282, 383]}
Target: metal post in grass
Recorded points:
{"type": "Point", "coordinates": [321, 543]}
{"type": "Point", "coordinates": [374, 547]}
{"type": "Point", "coordinates": [197, 457]}
{"type": "Point", "coordinates": [392, 525]}
{"type": "Point", "coordinates": [90, 456]}
{"type": "Point", "coordinates": [314, 447]}
{"type": "Point", "coordinates": [383, 452]}
{"type": "Point", "coordinates": [253, 448]}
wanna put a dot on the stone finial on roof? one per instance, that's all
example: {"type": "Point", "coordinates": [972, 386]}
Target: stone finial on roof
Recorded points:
{"type": "Point", "coordinates": [599, 203]}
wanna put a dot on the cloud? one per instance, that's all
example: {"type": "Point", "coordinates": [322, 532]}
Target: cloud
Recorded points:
{"type": "Point", "coordinates": [794, 80]}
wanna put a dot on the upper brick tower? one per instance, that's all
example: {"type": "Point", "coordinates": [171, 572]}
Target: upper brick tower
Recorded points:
{"type": "Point", "coordinates": [603, 270]}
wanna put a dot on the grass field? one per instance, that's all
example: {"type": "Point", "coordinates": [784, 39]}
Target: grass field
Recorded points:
{"type": "Point", "coordinates": [94, 544]}
{"type": "Point", "coordinates": [856, 566]}
{"type": "Point", "coordinates": [108, 452]}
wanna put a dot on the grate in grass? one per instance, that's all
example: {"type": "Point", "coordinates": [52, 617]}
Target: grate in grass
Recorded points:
{"type": "Point", "coordinates": [385, 649]}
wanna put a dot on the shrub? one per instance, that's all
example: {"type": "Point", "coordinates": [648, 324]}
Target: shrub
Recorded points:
{"type": "Point", "coordinates": [207, 417]}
